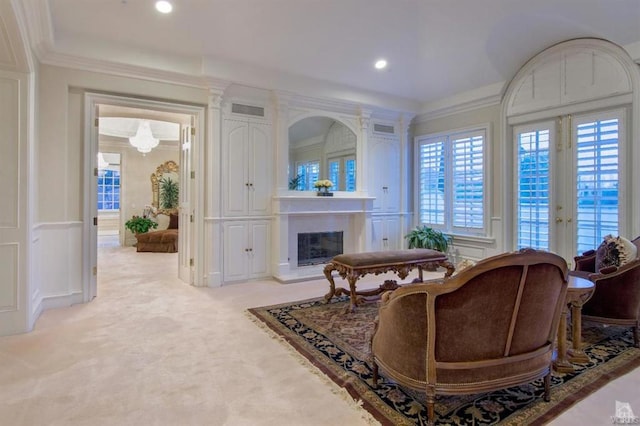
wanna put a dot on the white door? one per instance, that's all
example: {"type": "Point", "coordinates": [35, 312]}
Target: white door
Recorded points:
{"type": "Point", "coordinates": [186, 211]}
{"type": "Point", "coordinates": [570, 182]}
{"type": "Point", "coordinates": [93, 148]}
{"type": "Point", "coordinates": [14, 218]}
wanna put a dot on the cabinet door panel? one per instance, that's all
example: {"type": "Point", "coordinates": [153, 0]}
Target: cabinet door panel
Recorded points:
{"type": "Point", "coordinates": [377, 172]}
{"type": "Point", "coordinates": [235, 256]}
{"type": "Point", "coordinates": [259, 169]}
{"type": "Point", "coordinates": [260, 233]}
{"type": "Point", "coordinates": [384, 175]}
{"type": "Point", "coordinates": [393, 177]}
{"type": "Point", "coordinates": [237, 179]}
{"type": "Point", "coordinates": [392, 234]}
{"type": "Point", "coordinates": [377, 234]}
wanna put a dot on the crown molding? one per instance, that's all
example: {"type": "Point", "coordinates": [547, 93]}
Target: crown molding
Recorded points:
{"type": "Point", "coordinates": [467, 101]}
{"type": "Point", "coordinates": [123, 70]}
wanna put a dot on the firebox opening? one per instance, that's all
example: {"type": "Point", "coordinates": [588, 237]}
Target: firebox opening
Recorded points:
{"type": "Point", "coordinates": [318, 247]}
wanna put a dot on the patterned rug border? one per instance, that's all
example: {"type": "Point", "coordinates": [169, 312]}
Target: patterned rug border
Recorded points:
{"type": "Point", "coordinates": [580, 386]}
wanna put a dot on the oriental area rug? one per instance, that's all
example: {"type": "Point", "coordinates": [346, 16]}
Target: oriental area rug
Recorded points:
{"type": "Point", "coordinates": [337, 343]}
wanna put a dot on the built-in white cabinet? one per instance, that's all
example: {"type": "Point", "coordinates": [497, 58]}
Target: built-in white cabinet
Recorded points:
{"type": "Point", "coordinates": [385, 233]}
{"type": "Point", "coordinates": [247, 168]}
{"type": "Point", "coordinates": [246, 248]}
{"type": "Point", "coordinates": [384, 173]}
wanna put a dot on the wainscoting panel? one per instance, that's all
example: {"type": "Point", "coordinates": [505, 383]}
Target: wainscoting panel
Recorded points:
{"type": "Point", "coordinates": [60, 264]}
{"type": "Point", "coordinates": [9, 277]}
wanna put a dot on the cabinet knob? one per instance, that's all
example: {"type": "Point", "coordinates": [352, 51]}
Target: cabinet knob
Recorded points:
{"type": "Point", "coordinates": [246, 249]}
{"type": "Point", "coordinates": [246, 184]}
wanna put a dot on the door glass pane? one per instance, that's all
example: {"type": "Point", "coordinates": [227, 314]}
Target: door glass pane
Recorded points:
{"type": "Point", "coordinates": [533, 189]}
{"type": "Point", "coordinates": [597, 167]}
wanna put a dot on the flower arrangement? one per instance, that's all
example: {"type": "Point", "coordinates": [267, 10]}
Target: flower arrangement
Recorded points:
{"type": "Point", "coordinates": [325, 183]}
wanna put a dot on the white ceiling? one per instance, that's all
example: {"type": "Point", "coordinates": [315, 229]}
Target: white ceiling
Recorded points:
{"type": "Point", "coordinates": [436, 48]}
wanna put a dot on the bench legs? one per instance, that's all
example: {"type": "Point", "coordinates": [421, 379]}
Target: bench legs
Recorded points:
{"type": "Point", "coordinates": [402, 270]}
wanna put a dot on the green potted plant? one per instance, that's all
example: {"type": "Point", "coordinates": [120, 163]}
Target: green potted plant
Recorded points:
{"type": "Point", "coordinates": [140, 225]}
{"type": "Point", "coordinates": [425, 237]}
{"type": "Point", "coordinates": [169, 191]}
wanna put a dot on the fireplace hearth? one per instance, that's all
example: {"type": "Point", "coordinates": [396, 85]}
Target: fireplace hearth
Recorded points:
{"type": "Point", "coordinates": [319, 247]}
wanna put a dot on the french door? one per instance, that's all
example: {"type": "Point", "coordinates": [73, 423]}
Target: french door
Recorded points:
{"type": "Point", "coordinates": [569, 182]}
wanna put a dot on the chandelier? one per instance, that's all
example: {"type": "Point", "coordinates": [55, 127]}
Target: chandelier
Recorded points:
{"type": "Point", "coordinates": [143, 140]}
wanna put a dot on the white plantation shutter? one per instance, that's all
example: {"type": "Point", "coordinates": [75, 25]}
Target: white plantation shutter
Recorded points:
{"type": "Point", "coordinates": [597, 167]}
{"type": "Point", "coordinates": [431, 175]}
{"type": "Point", "coordinates": [468, 183]}
{"type": "Point", "coordinates": [350, 170]}
{"type": "Point", "coordinates": [310, 172]}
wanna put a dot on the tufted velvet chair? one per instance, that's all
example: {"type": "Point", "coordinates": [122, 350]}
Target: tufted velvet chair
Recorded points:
{"type": "Point", "coordinates": [491, 326]}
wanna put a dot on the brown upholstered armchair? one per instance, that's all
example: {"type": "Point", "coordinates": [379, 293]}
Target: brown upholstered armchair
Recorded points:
{"type": "Point", "coordinates": [491, 326]}
{"type": "Point", "coordinates": [585, 263]}
{"type": "Point", "coordinates": [616, 299]}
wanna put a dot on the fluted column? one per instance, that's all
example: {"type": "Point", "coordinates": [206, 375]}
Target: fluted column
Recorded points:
{"type": "Point", "coordinates": [213, 188]}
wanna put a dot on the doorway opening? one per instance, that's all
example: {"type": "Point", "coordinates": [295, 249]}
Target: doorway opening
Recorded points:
{"type": "Point", "coordinates": [131, 140]}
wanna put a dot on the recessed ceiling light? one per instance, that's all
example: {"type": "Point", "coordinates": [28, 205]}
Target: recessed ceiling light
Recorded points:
{"type": "Point", "coordinates": [381, 64]}
{"type": "Point", "coordinates": [164, 6]}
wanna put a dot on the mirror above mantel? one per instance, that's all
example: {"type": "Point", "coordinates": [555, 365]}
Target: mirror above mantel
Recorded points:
{"type": "Point", "coordinates": [321, 148]}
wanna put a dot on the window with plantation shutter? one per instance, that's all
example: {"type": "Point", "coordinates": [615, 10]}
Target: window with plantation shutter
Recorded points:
{"type": "Point", "coordinates": [309, 173]}
{"type": "Point", "coordinates": [451, 181]}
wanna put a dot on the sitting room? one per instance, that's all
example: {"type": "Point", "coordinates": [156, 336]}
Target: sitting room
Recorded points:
{"type": "Point", "coordinates": [414, 212]}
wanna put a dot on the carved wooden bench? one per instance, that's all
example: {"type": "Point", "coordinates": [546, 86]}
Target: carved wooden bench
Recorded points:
{"type": "Point", "coordinates": [354, 266]}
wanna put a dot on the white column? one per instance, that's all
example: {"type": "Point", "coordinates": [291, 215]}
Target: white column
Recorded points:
{"type": "Point", "coordinates": [406, 181]}
{"type": "Point", "coordinates": [280, 230]}
{"type": "Point", "coordinates": [362, 224]}
{"type": "Point", "coordinates": [213, 184]}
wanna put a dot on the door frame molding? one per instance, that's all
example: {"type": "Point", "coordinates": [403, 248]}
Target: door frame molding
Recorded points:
{"type": "Point", "coordinates": [89, 234]}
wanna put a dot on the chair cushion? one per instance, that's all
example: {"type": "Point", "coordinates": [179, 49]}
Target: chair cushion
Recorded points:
{"type": "Point", "coordinates": [615, 251]}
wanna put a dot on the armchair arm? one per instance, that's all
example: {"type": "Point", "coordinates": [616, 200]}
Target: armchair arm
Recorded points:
{"type": "Point", "coordinates": [586, 261]}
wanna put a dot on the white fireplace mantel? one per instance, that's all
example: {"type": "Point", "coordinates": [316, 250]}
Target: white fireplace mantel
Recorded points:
{"type": "Point", "coordinates": [310, 203]}
{"type": "Point", "coordinates": [307, 212]}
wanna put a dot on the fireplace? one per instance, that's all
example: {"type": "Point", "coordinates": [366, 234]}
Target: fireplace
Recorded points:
{"type": "Point", "coordinates": [319, 247]}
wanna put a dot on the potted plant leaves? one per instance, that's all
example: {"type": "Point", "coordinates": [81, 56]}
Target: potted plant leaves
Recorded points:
{"type": "Point", "coordinates": [169, 191]}
{"type": "Point", "coordinates": [140, 225]}
{"type": "Point", "coordinates": [426, 237]}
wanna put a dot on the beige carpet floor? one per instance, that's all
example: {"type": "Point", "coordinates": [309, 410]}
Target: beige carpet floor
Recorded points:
{"type": "Point", "coordinates": [150, 350]}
